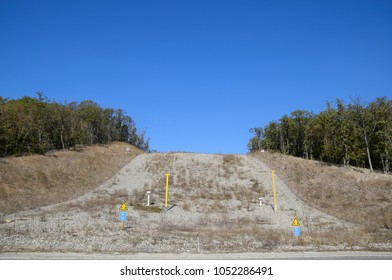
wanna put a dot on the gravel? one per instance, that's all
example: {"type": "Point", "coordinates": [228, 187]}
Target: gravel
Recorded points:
{"type": "Point", "coordinates": [214, 208]}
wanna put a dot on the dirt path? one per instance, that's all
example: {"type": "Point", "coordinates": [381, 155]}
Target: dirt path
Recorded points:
{"type": "Point", "coordinates": [214, 208]}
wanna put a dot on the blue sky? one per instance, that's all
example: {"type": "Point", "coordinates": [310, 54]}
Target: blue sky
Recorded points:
{"type": "Point", "coordinates": [197, 74]}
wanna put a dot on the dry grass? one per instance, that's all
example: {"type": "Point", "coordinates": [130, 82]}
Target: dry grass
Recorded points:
{"type": "Point", "coordinates": [33, 181]}
{"type": "Point", "coordinates": [352, 194]}
{"type": "Point", "coordinates": [230, 165]}
{"type": "Point", "coordinates": [237, 228]}
{"type": "Point", "coordinates": [192, 190]}
{"type": "Point", "coordinates": [149, 209]}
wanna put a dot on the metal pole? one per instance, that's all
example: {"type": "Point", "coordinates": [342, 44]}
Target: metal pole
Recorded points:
{"type": "Point", "coordinates": [167, 190]}
{"type": "Point", "coordinates": [274, 188]}
{"type": "Point", "coordinates": [198, 243]}
{"type": "Point", "coordinates": [148, 198]}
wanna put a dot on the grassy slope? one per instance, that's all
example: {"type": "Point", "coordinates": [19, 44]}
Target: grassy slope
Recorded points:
{"type": "Point", "coordinates": [33, 181]}
{"type": "Point", "coordinates": [354, 195]}
{"type": "Point", "coordinates": [351, 194]}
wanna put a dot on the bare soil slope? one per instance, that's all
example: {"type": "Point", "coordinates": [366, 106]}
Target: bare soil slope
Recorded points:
{"type": "Point", "coordinates": [213, 208]}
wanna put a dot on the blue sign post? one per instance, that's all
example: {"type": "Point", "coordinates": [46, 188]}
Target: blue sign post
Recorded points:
{"type": "Point", "coordinates": [123, 216]}
{"type": "Point", "coordinates": [297, 231]}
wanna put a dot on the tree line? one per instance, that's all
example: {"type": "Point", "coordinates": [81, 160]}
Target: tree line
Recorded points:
{"type": "Point", "coordinates": [355, 134]}
{"type": "Point", "coordinates": [36, 125]}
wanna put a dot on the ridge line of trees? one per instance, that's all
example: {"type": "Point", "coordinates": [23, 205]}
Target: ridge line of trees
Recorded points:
{"type": "Point", "coordinates": [36, 125]}
{"type": "Point", "coordinates": [356, 134]}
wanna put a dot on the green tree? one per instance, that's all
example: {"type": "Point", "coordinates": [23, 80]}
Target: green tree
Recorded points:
{"type": "Point", "coordinates": [255, 143]}
{"type": "Point", "coordinates": [353, 134]}
{"type": "Point", "coordinates": [366, 123]}
{"type": "Point", "coordinates": [381, 110]}
{"type": "Point", "coordinates": [36, 125]}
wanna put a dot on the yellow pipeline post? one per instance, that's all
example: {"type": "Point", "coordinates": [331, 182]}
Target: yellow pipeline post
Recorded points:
{"type": "Point", "coordinates": [274, 188]}
{"type": "Point", "coordinates": [167, 190]}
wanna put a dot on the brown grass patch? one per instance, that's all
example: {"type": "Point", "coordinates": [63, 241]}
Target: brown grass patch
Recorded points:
{"type": "Point", "coordinates": [149, 209]}
{"type": "Point", "coordinates": [33, 181]}
{"type": "Point", "coordinates": [351, 194]}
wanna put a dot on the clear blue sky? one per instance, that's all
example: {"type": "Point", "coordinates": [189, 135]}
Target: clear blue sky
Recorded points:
{"type": "Point", "coordinates": [197, 74]}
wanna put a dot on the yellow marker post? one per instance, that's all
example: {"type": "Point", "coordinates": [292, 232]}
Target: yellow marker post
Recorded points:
{"type": "Point", "coordinates": [167, 190]}
{"type": "Point", "coordinates": [274, 188]}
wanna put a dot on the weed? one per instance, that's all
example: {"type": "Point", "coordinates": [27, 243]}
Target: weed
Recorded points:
{"type": "Point", "coordinates": [149, 209]}
{"type": "Point", "coordinates": [301, 241]}
{"type": "Point", "coordinates": [186, 206]}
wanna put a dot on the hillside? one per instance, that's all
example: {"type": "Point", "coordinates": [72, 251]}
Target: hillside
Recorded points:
{"type": "Point", "coordinates": [353, 194]}
{"type": "Point", "coordinates": [29, 182]}
{"type": "Point", "coordinates": [213, 208]}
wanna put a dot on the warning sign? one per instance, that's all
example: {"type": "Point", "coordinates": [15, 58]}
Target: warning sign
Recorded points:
{"type": "Point", "coordinates": [295, 222]}
{"type": "Point", "coordinates": [123, 207]}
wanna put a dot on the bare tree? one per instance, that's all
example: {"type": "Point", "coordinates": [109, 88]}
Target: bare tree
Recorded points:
{"type": "Point", "coordinates": [364, 121]}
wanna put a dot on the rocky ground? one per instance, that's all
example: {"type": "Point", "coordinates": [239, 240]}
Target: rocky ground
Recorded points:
{"type": "Point", "coordinates": [213, 208]}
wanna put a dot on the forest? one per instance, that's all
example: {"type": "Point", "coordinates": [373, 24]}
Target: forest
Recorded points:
{"type": "Point", "coordinates": [36, 125]}
{"type": "Point", "coordinates": [356, 134]}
